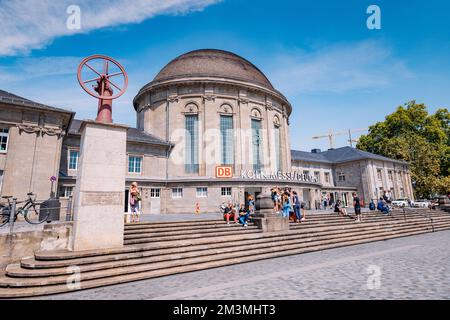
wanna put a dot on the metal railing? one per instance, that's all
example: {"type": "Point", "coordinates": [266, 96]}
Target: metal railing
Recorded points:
{"type": "Point", "coordinates": [424, 214]}
{"type": "Point", "coordinates": [12, 207]}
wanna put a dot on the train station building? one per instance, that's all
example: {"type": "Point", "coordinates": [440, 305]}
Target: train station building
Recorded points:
{"type": "Point", "coordinates": [210, 128]}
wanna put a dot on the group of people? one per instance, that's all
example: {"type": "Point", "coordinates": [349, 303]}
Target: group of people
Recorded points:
{"type": "Point", "coordinates": [285, 201]}
{"type": "Point", "coordinates": [382, 205]}
{"type": "Point", "coordinates": [241, 214]}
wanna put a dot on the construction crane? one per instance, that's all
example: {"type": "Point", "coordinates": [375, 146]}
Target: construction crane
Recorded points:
{"type": "Point", "coordinates": [332, 134]}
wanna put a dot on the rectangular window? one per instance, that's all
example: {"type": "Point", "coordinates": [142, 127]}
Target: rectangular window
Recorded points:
{"type": "Point", "coordinates": [317, 176]}
{"type": "Point", "coordinates": [257, 144]}
{"type": "Point", "coordinates": [177, 193]}
{"type": "Point", "coordinates": [390, 175]}
{"type": "Point", "coordinates": [202, 192]}
{"type": "Point", "coordinates": [4, 134]}
{"type": "Point", "coordinates": [155, 193]}
{"type": "Point", "coordinates": [341, 177]}
{"type": "Point", "coordinates": [226, 139]}
{"type": "Point", "coordinates": [65, 192]}
{"type": "Point", "coordinates": [379, 174]}
{"type": "Point", "coordinates": [306, 174]}
{"type": "Point", "coordinates": [191, 164]}
{"type": "Point", "coordinates": [277, 147]}
{"type": "Point", "coordinates": [226, 192]}
{"type": "Point", "coordinates": [74, 155]}
{"type": "Point", "coordinates": [134, 164]}
{"type": "Point", "coordinates": [327, 177]}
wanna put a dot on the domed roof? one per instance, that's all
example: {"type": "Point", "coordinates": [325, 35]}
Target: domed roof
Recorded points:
{"type": "Point", "coordinates": [213, 63]}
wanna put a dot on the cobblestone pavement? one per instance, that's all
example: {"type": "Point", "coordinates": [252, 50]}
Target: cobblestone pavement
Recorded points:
{"type": "Point", "coordinates": [408, 268]}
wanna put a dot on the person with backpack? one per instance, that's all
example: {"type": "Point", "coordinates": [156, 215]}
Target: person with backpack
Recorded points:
{"type": "Point", "coordinates": [135, 198]}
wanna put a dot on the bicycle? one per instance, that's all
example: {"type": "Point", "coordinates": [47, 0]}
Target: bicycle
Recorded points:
{"type": "Point", "coordinates": [29, 210]}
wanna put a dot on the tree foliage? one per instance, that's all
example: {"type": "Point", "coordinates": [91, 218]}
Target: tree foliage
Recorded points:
{"type": "Point", "coordinates": [422, 139]}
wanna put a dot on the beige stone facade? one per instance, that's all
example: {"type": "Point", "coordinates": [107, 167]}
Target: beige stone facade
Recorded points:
{"type": "Point", "coordinates": [206, 108]}
{"type": "Point", "coordinates": [34, 135]}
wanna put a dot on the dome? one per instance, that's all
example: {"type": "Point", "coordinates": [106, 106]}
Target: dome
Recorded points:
{"type": "Point", "coordinates": [211, 63]}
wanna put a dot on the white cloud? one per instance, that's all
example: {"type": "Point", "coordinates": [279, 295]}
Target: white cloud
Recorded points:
{"type": "Point", "coordinates": [338, 68]}
{"type": "Point", "coordinates": [33, 24]}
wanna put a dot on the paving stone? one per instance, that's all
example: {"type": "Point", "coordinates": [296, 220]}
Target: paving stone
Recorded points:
{"type": "Point", "coordinates": [411, 268]}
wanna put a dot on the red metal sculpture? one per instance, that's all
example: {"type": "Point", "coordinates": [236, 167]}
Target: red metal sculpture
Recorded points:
{"type": "Point", "coordinates": [103, 90]}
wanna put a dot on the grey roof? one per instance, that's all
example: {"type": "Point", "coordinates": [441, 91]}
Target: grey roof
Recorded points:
{"type": "Point", "coordinates": [205, 64]}
{"type": "Point", "coordinates": [339, 155]}
{"type": "Point", "coordinates": [213, 63]}
{"type": "Point", "coordinates": [133, 134]}
{"type": "Point", "coordinates": [309, 156]}
{"type": "Point", "coordinates": [15, 100]}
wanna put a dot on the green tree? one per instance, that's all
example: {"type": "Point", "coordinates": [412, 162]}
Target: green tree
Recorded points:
{"type": "Point", "coordinates": [411, 134]}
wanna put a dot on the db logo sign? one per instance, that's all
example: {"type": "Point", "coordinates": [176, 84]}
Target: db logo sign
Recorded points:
{"type": "Point", "coordinates": [224, 172]}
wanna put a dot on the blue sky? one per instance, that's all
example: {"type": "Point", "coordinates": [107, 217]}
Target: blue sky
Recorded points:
{"type": "Point", "coordinates": [336, 72]}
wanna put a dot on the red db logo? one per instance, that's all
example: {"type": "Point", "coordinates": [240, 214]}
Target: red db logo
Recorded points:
{"type": "Point", "coordinates": [224, 172]}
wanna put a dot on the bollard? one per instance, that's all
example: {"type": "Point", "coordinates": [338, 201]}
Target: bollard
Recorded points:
{"type": "Point", "coordinates": [12, 215]}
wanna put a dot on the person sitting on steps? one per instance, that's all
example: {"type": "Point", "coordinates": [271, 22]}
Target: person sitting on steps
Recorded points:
{"type": "Point", "coordinates": [230, 212]}
{"type": "Point", "coordinates": [339, 209]}
{"type": "Point", "coordinates": [243, 215]}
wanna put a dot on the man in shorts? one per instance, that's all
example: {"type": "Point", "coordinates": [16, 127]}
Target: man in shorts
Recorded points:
{"type": "Point", "coordinates": [357, 206]}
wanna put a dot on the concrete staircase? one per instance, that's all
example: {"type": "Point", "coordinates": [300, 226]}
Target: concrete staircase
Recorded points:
{"type": "Point", "coordinates": [165, 248]}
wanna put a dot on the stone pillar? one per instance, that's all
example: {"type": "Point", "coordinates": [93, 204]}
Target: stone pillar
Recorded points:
{"type": "Point", "coordinates": [265, 217]}
{"type": "Point", "coordinates": [100, 189]}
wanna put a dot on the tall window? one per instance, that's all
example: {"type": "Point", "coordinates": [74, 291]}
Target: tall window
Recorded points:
{"type": "Point", "coordinates": [257, 144]}
{"type": "Point", "coordinates": [226, 139]}
{"type": "Point", "coordinates": [390, 175]}
{"type": "Point", "coordinates": [277, 147]}
{"type": "Point", "coordinates": [317, 176]}
{"type": "Point", "coordinates": [327, 177]}
{"type": "Point", "coordinates": [4, 134]}
{"type": "Point", "coordinates": [73, 159]}
{"type": "Point", "coordinates": [134, 164]}
{"type": "Point", "coordinates": [379, 174]}
{"type": "Point", "coordinates": [191, 164]}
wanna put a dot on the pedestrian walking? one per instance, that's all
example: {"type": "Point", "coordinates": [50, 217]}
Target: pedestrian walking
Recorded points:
{"type": "Point", "coordinates": [357, 206]}
{"type": "Point", "coordinates": [297, 205]}
{"type": "Point", "coordinates": [135, 198]}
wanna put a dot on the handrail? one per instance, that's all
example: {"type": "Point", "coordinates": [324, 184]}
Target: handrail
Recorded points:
{"type": "Point", "coordinates": [425, 215]}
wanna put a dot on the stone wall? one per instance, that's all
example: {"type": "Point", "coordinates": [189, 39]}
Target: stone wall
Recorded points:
{"type": "Point", "coordinates": [24, 244]}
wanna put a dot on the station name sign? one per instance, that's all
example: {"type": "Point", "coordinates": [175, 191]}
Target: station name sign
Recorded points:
{"type": "Point", "coordinates": [226, 172]}
{"type": "Point", "coordinates": [277, 175]}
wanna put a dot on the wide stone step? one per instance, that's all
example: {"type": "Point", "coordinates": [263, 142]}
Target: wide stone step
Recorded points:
{"type": "Point", "coordinates": [202, 244]}
{"type": "Point", "coordinates": [58, 255]}
{"type": "Point", "coordinates": [179, 253]}
{"type": "Point", "coordinates": [91, 275]}
{"type": "Point", "coordinates": [146, 238]}
{"type": "Point", "coordinates": [46, 290]}
{"type": "Point", "coordinates": [205, 231]}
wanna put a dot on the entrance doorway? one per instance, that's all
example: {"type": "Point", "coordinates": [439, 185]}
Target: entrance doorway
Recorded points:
{"type": "Point", "coordinates": [251, 191]}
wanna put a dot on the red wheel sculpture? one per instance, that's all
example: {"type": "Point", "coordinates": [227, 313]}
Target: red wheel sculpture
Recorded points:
{"type": "Point", "coordinates": [103, 80]}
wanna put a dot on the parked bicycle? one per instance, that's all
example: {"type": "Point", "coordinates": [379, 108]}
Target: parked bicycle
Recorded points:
{"type": "Point", "coordinates": [30, 211]}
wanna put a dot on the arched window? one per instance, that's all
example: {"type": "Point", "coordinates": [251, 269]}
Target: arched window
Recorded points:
{"type": "Point", "coordinates": [191, 163]}
{"type": "Point", "coordinates": [277, 141]}
{"type": "Point", "coordinates": [256, 114]}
